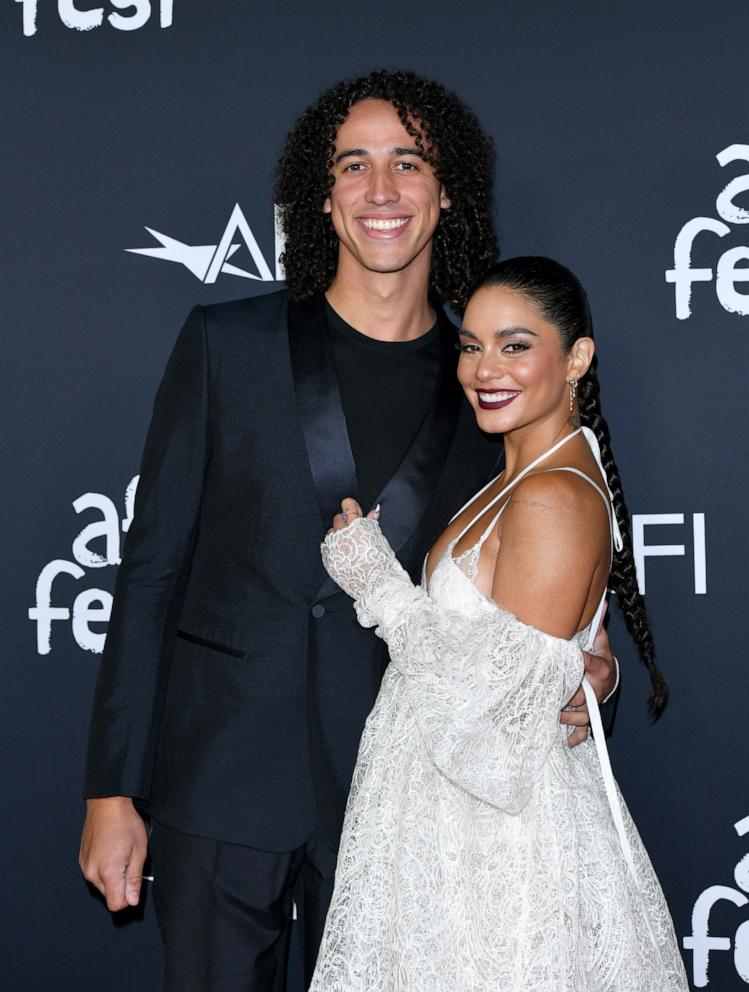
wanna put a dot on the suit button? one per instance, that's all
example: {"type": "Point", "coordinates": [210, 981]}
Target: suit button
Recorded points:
{"type": "Point", "coordinates": [318, 611]}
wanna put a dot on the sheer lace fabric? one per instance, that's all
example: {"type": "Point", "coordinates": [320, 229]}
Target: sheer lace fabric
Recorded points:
{"type": "Point", "coordinates": [478, 851]}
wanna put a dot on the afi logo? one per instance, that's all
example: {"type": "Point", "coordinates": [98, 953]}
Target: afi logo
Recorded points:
{"type": "Point", "coordinates": [207, 261]}
{"type": "Point", "coordinates": [90, 605]}
{"type": "Point", "coordinates": [138, 14]}
{"type": "Point", "coordinates": [642, 550]}
{"type": "Point", "coordinates": [700, 943]}
{"type": "Point", "coordinates": [731, 268]}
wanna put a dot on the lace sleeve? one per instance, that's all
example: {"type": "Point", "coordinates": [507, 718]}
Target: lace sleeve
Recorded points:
{"type": "Point", "coordinates": [486, 691]}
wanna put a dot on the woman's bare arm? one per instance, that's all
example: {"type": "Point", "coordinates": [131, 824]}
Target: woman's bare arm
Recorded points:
{"type": "Point", "coordinates": [553, 557]}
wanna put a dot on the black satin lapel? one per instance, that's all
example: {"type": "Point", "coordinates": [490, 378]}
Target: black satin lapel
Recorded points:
{"type": "Point", "coordinates": [406, 496]}
{"type": "Point", "coordinates": [320, 408]}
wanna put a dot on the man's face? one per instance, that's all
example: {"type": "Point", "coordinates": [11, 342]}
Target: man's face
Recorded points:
{"type": "Point", "coordinates": [386, 200]}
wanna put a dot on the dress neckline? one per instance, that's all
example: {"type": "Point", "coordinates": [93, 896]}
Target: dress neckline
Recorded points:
{"type": "Point", "coordinates": [508, 487]}
{"type": "Point", "coordinates": [587, 632]}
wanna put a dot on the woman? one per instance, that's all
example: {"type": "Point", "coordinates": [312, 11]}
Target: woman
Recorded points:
{"type": "Point", "coordinates": [480, 851]}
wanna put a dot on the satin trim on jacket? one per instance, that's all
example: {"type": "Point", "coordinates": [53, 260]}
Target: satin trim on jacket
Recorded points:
{"type": "Point", "coordinates": [406, 495]}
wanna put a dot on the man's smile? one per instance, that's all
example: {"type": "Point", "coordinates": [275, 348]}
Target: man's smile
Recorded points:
{"type": "Point", "coordinates": [384, 227]}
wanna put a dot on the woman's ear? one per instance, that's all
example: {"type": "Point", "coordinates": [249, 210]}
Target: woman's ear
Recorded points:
{"type": "Point", "coordinates": [579, 358]}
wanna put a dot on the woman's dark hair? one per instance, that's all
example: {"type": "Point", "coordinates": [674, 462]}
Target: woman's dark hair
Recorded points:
{"type": "Point", "coordinates": [448, 136]}
{"type": "Point", "coordinates": [562, 301]}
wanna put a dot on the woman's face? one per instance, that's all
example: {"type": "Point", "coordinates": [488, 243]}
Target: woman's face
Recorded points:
{"type": "Point", "coordinates": [512, 367]}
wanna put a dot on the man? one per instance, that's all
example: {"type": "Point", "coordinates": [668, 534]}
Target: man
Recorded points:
{"type": "Point", "coordinates": [235, 681]}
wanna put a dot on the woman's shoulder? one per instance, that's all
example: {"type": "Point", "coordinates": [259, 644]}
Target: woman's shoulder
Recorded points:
{"type": "Point", "coordinates": [566, 490]}
{"type": "Point", "coordinates": [555, 513]}
{"type": "Point", "coordinates": [553, 541]}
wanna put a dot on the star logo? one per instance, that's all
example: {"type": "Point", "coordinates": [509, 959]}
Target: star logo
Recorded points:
{"type": "Point", "coordinates": [207, 262]}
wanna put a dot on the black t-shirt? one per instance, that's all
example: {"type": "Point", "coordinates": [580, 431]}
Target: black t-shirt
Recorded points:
{"type": "Point", "coordinates": [386, 388]}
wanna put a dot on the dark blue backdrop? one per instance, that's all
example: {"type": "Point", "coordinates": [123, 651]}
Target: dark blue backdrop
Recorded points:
{"type": "Point", "coordinates": [169, 116]}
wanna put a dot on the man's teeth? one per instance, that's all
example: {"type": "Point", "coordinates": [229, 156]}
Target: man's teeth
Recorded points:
{"type": "Point", "coordinates": [384, 225]}
{"type": "Point", "coordinates": [497, 397]}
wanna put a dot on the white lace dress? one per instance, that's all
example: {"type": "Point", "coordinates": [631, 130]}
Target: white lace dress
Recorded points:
{"type": "Point", "coordinates": [479, 852]}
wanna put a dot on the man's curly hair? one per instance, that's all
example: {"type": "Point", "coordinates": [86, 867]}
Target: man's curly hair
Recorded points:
{"type": "Point", "coordinates": [449, 137]}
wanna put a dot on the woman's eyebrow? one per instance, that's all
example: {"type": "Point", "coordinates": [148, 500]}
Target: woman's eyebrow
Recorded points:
{"type": "Point", "coordinates": [506, 332]}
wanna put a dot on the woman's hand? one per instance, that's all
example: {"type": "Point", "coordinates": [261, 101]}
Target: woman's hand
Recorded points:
{"type": "Point", "coordinates": [350, 511]}
{"type": "Point", "coordinates": [357, 557]}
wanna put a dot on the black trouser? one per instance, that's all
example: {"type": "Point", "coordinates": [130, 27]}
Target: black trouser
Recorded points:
{"type": "Point", "coordinates": [224, 910]}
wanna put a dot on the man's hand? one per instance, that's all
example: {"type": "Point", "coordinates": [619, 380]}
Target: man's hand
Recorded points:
{"type": "Point", "coordinates": [600, 671]}
{"type": "Point", "coordinates": [113, 848]}
{"type": "Point", "coordinates": [600, 666]}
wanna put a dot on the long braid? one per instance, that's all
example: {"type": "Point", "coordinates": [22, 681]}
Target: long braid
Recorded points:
{"type": "Point", "coordinates": [623, 578]}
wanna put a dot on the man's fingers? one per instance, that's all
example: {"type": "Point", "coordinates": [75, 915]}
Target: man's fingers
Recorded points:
{"type": "Point", "coordinates": [121, 886]}
{"type": "Point", "coordinates": [132, 889]}
{"type": "Point", "coordinates": [575, 718]}
{"type": "Point", "coordinates": [578, 699]}
{"type": "Point", "coordinates": [90, 871]}
{"type": "Point", "coordinates": [575, 714]}
{"type": "Point", "coordinates": [600, 672]}
{"type": "Point", "coordinates": [592, 663]}
{"type": "Point", "coordinates": [577, 737]}
{"type": "Point", "coordinates": [134, 877]}
{"type": "Point", "coordinates": [113, 879]}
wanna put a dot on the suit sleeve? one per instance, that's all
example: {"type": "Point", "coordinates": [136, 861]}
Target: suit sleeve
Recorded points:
{"type": "Point", "coordinates": [132, 675]}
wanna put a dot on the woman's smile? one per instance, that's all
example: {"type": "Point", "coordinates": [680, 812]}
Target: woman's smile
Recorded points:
{"type": "Point", "coordinates": [495, 399]}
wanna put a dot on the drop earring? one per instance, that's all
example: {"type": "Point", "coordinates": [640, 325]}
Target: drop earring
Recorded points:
{"type": "Point", "coordinates": [573, 393]}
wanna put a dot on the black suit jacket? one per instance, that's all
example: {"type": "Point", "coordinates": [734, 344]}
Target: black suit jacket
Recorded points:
{"type": "Point", "coordinates": [235, 680]}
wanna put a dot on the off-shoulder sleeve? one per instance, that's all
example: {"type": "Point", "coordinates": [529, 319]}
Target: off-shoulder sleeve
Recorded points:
{"type": "Point", "coordinates": [486, 690]}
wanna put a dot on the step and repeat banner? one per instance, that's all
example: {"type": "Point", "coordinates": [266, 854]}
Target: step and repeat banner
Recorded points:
{"type": "Point", "coordinates": [139, 143]}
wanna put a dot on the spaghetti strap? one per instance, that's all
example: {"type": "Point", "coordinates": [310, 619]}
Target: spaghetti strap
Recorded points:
{"type": "Point", "coordinates": [601, 493]}
{"type": "Point", "coordinates": [561, 468]}
{"type": "Point", "coordinates": [506, 489]}
{"type": "Point", "coordinates": [473, 498]}
{"type": "Point", "coordinates": [577, 471]}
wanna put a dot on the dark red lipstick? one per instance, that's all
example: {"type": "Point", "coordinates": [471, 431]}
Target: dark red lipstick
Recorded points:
{"type": "Point", "coordinates": [496, 399]}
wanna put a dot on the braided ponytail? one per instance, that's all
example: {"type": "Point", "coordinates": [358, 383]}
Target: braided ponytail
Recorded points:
{"type": "Point", "coordinates": [561, 299]}
{"type": "Point", "coordinates": [623, 577]}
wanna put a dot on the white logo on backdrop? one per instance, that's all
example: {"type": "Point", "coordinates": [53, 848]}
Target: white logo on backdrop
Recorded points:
{"type": "Point", "coordinates": [90, 605]}
{"type": "Point", "coordinates": [700, 943]}
{"type": "Point", "coordinates": [95, 605]}
{"type": "Point", "coordinates": [642, 550]}
{"type": "Point", "coordinates": [729, 270]}
{"type": "Point", "coordinates": [139, 13]}
{"type": "Point", "coordinates": [206, 262]}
